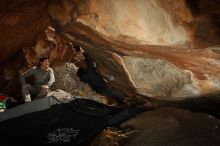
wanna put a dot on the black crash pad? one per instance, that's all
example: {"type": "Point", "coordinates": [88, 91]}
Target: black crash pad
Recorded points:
{"type": "Point", "coordinates": [48, 121]}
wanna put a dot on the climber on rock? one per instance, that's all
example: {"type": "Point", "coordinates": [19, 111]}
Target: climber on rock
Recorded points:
{"type": "Point", "coordinates": [87, 73]}
{"type": "Point", "coordinates": [43, 78]}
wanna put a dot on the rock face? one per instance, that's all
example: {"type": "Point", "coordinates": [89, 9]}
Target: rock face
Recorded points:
{"type": "Point", "coordinates": [156, 48]}
{"type": "Point", "coordinates": [163, 127]}
{"type": "Point", "coordinates": [170, 126]}
{"type": "Point", "coordinates": [21, 21]}
{"type": "Point", "coordinates": [57, 48]}
{"type": "Point", "coordinates": [67, 79]}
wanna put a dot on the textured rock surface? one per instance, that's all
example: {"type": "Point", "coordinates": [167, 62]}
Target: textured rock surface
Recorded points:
{"type": "Point", "coordinates": [170, 126]}
{"type": "Point", "coordinates": [60, 94]}
{"type": "Point", "coordinates": [21, 21]}
{"type": "Point", "coordinates": [156, 48]}
{"type": "Point", "coordinates": [163, 127]}
{"type": "Point", "coordinates": [50, 44]}
{"type": "Point", "coordinates": [66, 79]}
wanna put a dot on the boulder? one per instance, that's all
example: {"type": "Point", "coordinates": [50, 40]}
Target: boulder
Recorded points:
{"type": "Point", "coordinates": [171, 126]}
{"type": "Point", "coordinates": [60, 95]}
{"type": "Point", "coordinates": [163, 127]}
{"type": "Point", "coordinates": [68, 81]}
